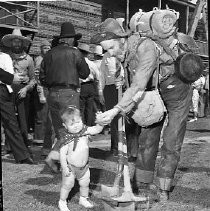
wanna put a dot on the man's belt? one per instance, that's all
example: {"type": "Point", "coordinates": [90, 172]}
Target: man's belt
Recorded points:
{"type": "Point", "coordinates": [69, 86]}
{"type": "Point", "coordinates": [87, 82]}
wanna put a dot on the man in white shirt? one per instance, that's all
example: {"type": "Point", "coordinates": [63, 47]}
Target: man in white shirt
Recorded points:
{"type": "Point", "coordinates": [12, 131]}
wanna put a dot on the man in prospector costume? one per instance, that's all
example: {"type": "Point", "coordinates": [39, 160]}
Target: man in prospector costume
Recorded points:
{"type": "Point", "coordinates": [155, 40]}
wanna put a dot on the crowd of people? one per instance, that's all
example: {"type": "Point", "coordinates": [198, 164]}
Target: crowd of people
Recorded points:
{"type": "Point", "coordinates": [74, 91]}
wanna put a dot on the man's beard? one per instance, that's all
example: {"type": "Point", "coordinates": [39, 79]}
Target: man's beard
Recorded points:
{"type": "Point", "coordinates": [17, 50]}
{"type": "Point", "coordinates": [121, 53]}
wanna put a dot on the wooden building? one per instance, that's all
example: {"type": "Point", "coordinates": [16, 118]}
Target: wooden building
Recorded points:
{"type": "Point", "coordinates": [86, 14]}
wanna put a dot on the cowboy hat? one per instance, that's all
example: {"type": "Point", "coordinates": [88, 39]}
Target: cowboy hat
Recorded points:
{"type": "Point", "coordinates": [188, 67]}
{"type": "Point", "coordinates": [98, 50]}
{"type": "Point", "coordinates": [84, 47]}
{"type": "Point", "coordinates": [16, 34]}
{"type": "Point", "coordinates": [68, 31]}
{"type": "Point", "coordinates": [109, 29]}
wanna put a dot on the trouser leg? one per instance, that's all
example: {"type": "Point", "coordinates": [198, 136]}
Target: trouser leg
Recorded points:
{"type": "Point", "coordinates": [177, 102]}
{"type": "Point", "coordinates": [83, 101]}
{"type": "Point", "coordinates": [22, 120]}
{"type": "Point", "coordinates": [111, 99]}
{"type": "Point", "coordinates": [58, 100]}
{"type": "Point", "coordinates": [91, 104]}
{"type": "Point", "coordinates": [40, 117]}
{"type": "Point", "coordinates": [147, 153]}
{"type": "Point", "coordinates": [48, 133]}
{"type": "Point", "coordinates": [132, 135]}
{"type": "Point", "coordinates": [114, 133]}
{"type": "Point", "coordinates": [9, 120]}
{"type": "Point", "coordinates": [201, 105]}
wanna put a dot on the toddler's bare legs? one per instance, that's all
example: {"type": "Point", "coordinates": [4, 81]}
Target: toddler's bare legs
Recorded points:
{"type": "Point", "coordinates": [66, 186]}
{"type": "Point", "coordinates": [84, 190]}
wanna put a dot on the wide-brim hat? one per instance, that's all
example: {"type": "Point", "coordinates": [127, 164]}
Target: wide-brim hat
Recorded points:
{"type": "Point", "coordinates": [98, 50]}
{"type": "Point", "coordinates": [68, 31]}
{"type": "Point", "coordinates": [16, 34]}
{"type": "Point", "coordinates": [189, 67]}
{"type": "Point", "coordinates": [84, 47]}
{"type": "Point", "coordinates": [109, 29]}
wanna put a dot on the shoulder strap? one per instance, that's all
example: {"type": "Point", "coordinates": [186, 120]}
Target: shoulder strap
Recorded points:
{"type": "Point", "coordinates": [158, 61]}
{"type": "Point", "coordinates": [157, 72]}
{"type": "Point", "coordinates": [163, 45]}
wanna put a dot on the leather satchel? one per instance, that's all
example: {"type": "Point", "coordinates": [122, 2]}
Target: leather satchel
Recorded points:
{"type": "Point", "coordinates": [149, 107]}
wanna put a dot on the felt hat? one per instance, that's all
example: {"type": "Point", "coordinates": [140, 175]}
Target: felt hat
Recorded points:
{"type": "Point", "coordinates": [98, 50]}
{"type": "Point", "coordinates": [109, 29]}
{"type": "Point", "coordinates": [16, 34]}
{"type": "Point", "coordinates": [68, 31]}
{"type": "Point", "coordinates": [84, 47]}
{"type": "Point", "coordinates": [189, 67]}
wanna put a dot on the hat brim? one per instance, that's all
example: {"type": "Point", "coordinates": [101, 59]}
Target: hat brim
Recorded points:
{"type": "Point", "coordinates": [7, 40]}
{"type": "Point", "coordinates": [84, 50]}
{"type": "Point", "coordinates": [99, 37]}
{"type": "Point", "coordinates": [97, 54]}
{"type": "Point", "coordinates": [76, 36]}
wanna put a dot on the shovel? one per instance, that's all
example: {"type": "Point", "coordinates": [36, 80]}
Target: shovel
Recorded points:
{"type": "Point", "coordinates": [113, 193]}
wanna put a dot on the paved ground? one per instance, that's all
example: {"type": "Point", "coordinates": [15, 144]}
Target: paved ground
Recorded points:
{"type": "Point", "coordinates": [35, 188]}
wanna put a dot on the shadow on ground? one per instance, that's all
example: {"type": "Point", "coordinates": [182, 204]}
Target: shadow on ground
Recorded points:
{"type": "Point", "coordinates": [187, 195]}
{"type": "Point", "coordinates": [49, 198]}
{"type": "Point", "coordinates": [101, 154]}
{"type": "Point", "coordinates": [200, 130]}
{"type": "Point", "coordinates": [194, 169]}
{"type": "Point", "coordinates": [98, 176]}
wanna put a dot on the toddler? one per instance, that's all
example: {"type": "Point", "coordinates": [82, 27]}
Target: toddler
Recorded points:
{"type": "Point", "coordinates": [74, 154]}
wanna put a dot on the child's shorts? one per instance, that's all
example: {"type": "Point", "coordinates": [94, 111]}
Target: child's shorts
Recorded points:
{"type": "Point", "coordinates": [78, 172]}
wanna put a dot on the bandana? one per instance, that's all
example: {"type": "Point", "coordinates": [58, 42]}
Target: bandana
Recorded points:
{"type": "Point", "coordinates": [67, 137]}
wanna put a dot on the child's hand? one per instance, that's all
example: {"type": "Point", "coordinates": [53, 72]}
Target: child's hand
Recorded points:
{"type": "Point", "coordinates": [66, 172]}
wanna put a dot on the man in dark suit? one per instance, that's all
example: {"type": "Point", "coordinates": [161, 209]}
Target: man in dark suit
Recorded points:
{"type": "Point", "coordinates": [60, 71]}
{"type": "Point", "coordinates": [12, 131]}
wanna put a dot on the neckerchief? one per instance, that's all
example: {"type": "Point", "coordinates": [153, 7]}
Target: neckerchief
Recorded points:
{"type": "Point", "coordinates": [67, 137]}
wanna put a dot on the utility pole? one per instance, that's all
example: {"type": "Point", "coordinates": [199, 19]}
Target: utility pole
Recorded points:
{"type": "Point", "coordinates": [127, 13]}
{"type": "Point", "coordinates": [196, 16]}
{"type": "Point", "coordinates": [205, 21]}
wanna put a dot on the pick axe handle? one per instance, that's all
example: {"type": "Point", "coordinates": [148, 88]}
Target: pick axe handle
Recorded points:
{"type": "Point", "coordinates": [123, 147]}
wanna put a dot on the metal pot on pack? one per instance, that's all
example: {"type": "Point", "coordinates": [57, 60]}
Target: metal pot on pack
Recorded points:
{"type": "Point", "coordinates": [188, 67]}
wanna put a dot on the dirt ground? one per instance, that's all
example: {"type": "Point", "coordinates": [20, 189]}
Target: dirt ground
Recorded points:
{"type": "Point", "coordinates": [35, 188]}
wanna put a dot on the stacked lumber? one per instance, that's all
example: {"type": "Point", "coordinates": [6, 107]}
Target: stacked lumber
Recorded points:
{"type": "Point", "coordinates": [84, 15]}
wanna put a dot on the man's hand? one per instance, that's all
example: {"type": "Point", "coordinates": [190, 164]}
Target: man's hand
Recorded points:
{"type": "Point", "coordinates": [119, 82]}
{"type": "Point", "coordinates": [106, 117]}
{"type": "Point", "coordinates": [66, 172]}
{"type": "Point", "coordinates": [18, 78]}
{"type": "Point", "coordinates": [22, 93]}
{"type": "Point", "coordinates": [101, 98]}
